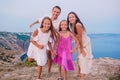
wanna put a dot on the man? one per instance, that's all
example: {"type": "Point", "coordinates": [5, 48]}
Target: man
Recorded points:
{"type": "Point", "coordinates": [54, 17]}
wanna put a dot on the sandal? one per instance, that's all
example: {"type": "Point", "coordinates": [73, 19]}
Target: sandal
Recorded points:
{"type": "Point", "coordinates": [78, 75]}
{"type": "Point", "coordinates": [38, 79]}
{"type": "Point", "coordinates": [60, 78]}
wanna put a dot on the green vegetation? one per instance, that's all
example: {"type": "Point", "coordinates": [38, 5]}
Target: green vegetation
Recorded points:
{"type": "Point", "coordinates": [27, 63]}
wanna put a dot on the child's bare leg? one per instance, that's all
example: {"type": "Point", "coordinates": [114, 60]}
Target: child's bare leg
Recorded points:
{"type": "Point", "coordinates": [39, 71]}
{"type": "Point", "coordinates": [29, 59]}
{"type": "Point", "coordinates": [78, 73]}
{"type": "Point", "coordinates": [65, 75]}
{"type": "Point", "coordinates": [49, 61]}
{"type": "Point", "coordinates": [59, 69]}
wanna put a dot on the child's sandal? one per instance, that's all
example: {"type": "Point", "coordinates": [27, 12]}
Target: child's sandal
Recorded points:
{"type": "Point", "coordinates": [60, 78]}
{"type": "Point", "coordinates": [38, 79]}
{"type": "Point", "coordinates": [78, 75]}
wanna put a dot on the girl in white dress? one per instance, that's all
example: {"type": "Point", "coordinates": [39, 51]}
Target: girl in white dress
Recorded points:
{"type": "Point", "coordinates": [84, 57]}
{"type": "Point", "coordinates": [56, 10]}
{"type": "Point", "coordinates": [38, 44]}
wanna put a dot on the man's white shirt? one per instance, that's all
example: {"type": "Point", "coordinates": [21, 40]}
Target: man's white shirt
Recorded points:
{"type": "Point", "coordinates": [55, 22]}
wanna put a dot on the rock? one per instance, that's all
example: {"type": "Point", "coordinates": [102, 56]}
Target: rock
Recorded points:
{"type": "Point", "coordinates": [103, 69]}
{"type": "Point", "coordinates": [8, 56]}
{"type": "Point", "coordinates": [15, 41]}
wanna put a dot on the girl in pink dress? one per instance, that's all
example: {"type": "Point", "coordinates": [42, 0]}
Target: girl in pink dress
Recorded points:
{"type": "Point", "coordinates": [64, 49]}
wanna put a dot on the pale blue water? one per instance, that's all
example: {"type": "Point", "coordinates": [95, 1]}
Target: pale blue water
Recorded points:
{"type": "Point", "coordinates": [104, 45]}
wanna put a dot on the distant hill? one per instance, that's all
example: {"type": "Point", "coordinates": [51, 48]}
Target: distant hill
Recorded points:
{"type": "Point", "coordinates": [20, 40]}
{"type": "Point", "coordinates": [13, 44]}
{"type": "Point", "coordinates": [15, 41]}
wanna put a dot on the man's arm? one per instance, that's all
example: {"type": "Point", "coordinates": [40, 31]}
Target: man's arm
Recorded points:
{"type": "Point", "coordinates": [36, 22]}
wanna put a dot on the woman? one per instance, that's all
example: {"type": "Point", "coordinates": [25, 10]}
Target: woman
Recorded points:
{"type": "Point", "coordinates": [84, 56]}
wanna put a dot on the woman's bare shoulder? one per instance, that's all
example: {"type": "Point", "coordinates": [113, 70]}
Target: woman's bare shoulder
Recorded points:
{"type": "Point", "coordinates": [78, 25]}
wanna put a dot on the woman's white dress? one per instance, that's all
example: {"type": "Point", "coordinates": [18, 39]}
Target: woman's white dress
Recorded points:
{"type": "Point", "coordinates": [85, 63]}
{"type": "Point", "coordinates": [39, 54]}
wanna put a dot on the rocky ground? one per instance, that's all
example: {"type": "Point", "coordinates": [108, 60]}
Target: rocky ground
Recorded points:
{"type": "Point", "coordinates": [12, 69]}
{"type": "Point", "coordinates": [103, 69]}
{"type": "Point", "coordinates": [13, 44]}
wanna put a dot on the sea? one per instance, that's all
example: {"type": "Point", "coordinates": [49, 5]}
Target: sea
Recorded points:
{"type": "Point", "coordinates": [104, 45]}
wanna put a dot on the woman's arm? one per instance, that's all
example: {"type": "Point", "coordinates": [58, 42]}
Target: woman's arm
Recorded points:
{"type": "Point", "coordinates": [36, 22]}
{"type": "Point", "coordinates": [76, 42]}
{"type": "Point", "coordinates": [79, 35]}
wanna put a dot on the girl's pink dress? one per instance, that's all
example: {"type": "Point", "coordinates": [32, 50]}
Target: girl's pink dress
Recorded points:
{"type": "Point", "coordinates": [64, 57]}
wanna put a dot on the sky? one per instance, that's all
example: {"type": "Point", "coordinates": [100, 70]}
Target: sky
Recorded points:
{"type": "Point", "coordinates": [98, 16]}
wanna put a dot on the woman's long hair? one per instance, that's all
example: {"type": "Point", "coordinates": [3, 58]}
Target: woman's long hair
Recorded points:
{"type": "Point", "coordinates": [77, 21]}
